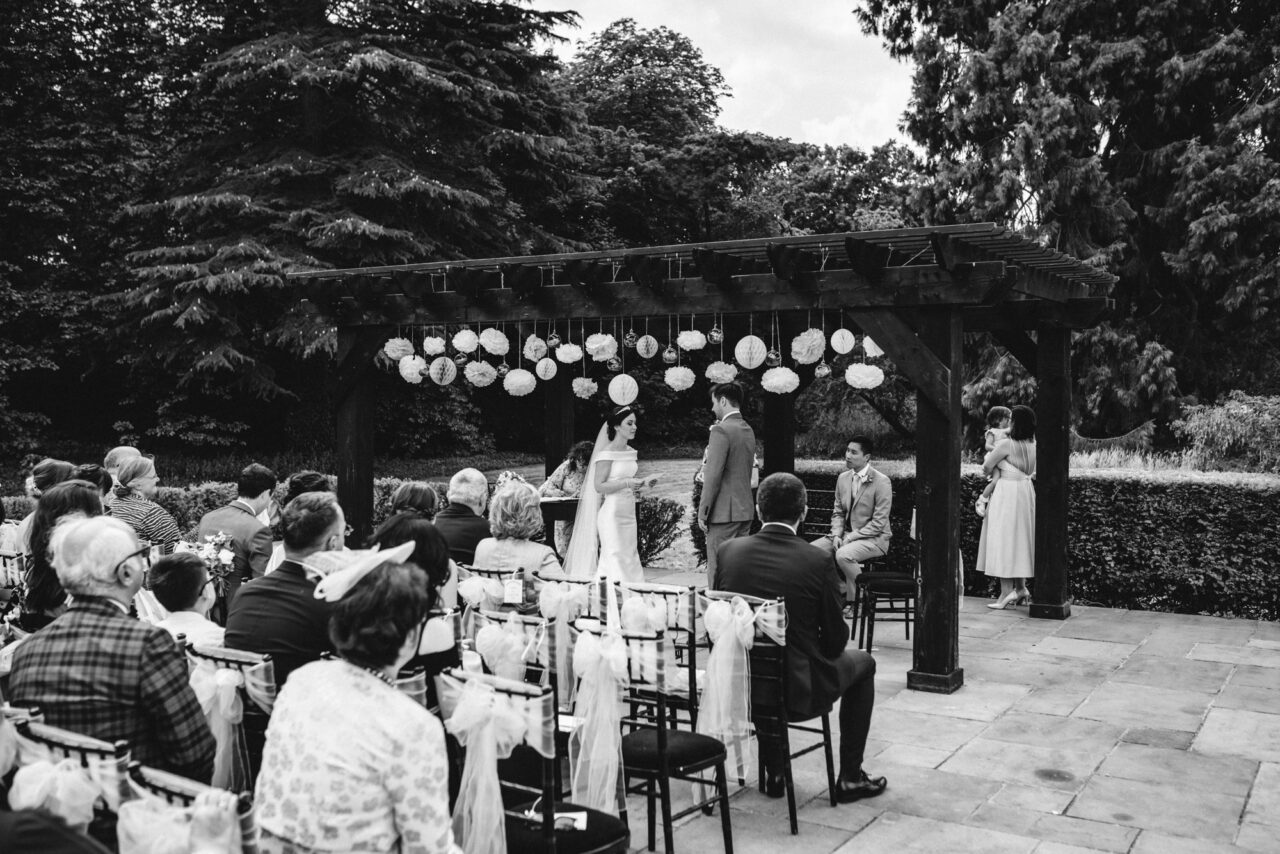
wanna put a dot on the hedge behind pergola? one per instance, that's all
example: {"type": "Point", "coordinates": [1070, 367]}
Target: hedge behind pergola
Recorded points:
{"type": "Point", "coordinates": [914, 290]}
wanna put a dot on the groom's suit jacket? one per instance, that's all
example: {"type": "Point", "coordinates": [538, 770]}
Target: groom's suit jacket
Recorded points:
{"type": "Point", "coordinates": [863, 511]}
{"type": "Point", "coordinates": [726, 474]}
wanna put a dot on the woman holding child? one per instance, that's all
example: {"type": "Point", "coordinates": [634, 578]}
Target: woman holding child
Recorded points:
{"type": "Point", "coordinates": [1007, 548]}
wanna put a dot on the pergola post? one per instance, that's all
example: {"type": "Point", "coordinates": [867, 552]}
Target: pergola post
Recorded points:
{"type": "Point", "coordinates": [935, 662]}
{"type": "Point", "coordinates": [1052, 591]}
{"type": "Point", "coordinates": [557, 402]}
{"type": "Point", "coordinates": [353, 426]}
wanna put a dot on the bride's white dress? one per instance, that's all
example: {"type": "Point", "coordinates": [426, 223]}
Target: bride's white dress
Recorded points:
{"type": "Point", "coordinates": [616, 521]}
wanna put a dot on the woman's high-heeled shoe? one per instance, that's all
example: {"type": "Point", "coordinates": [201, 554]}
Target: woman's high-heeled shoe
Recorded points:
{"type": "Point", "coordinates": [1024, 598]}
{"type": "Point", "coordinates": [1004, 602]}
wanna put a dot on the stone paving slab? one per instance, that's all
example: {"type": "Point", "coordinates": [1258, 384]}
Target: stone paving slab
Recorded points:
{"type": "Point", "coordinates": [1178, 810]}
{"type": "Point", "coordinates": [1150, 842]}
{"type": "Point", "coordinates": [1234, 654]}
{"type": "Point", "coordinates": [1205, 676]}
{"type": "Point", "coordinates": [979, 701]}
{"type": "Point", "coordinates": [1240, 733]}
{"type": "Point", "coordinates": [1026, 764]}
{"type": "Point", "coordinates": [893, 832]}
{"type": "Point", "coordinates": [1264, 801]}
{"type": "Point", "coordinates": [1226, 775]}
{"type": "Point", "coordinates": [1099, 836]}
{"type": "Point", "coordinates": [1094, 650]}
{"type": "Point", "coordinates": [1131, 705]}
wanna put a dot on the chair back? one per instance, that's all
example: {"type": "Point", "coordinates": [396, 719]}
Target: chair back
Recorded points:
{"type": "Point", "coordinates": [106, 762]}
{"type": "Point", "coordinates": [768, 656]}
{"type": "Point", "coordinates": [494, 589]}
{"type": "Point", "coordinates": [239, 748]}
{"type": "Point", "coordinates": [646, 657]}
{"type": "Point", "coordinates": [12, 568]}
{"type": "Point", "coordinates": [182, 792]}
{"type": "Point", "coordinates": [679, 606]}
{"type": "Point", "coordinates": [595, 588]}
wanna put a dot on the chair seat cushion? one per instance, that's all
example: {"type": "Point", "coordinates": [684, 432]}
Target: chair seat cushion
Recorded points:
{"type": "Point", "coordinates": [604, 833]}
{"type": "Point", "coordinates": [901, 584]}
{"type": "Point", "coordinates": [685, 750]}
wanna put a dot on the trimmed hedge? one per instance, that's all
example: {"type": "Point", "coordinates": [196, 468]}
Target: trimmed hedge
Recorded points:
{"type": "Point", "coordinates": [1190, 543]}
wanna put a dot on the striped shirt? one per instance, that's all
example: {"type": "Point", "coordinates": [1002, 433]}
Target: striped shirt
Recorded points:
{"type": "Point", "coordinates": [149, 520]}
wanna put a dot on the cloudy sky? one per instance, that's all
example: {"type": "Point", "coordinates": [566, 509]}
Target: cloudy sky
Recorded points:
{"type": "Point", "coordinates": [797, 68]}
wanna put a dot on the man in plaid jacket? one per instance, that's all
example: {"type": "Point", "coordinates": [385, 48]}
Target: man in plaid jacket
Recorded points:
{"type": "Point", "coordinates": [102, 673]}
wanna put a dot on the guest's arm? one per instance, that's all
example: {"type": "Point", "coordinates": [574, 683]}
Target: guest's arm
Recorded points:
{"type": "Point", "coordinates": [879, 521]}
{"type": "Point", "coordinates": [998, 453]}
{"type": "Point", "coordinates": [259, 552]}
{"type": "Point", "coordinates": [553, 486]}
{"type": "Point", "coordinates": [550, 562]}
{"type": "Point", "coordinates": [160, 528]}
{"type": "Point", "coordinates": [177, 720]}
{"type": "Point", "coordinates": [838, 514]}
{"type": "Point", "coordinates": [833, 631]}
{"type": "Point", "coordinates": [712, 472]}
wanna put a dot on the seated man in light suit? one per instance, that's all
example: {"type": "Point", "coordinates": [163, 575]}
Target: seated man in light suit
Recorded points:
{"type": "Point", "coordinates": [860, 515]}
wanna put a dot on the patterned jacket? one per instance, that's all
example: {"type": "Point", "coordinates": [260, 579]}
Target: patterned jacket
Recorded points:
{"type": "Point", "coordinates": [99, 672]}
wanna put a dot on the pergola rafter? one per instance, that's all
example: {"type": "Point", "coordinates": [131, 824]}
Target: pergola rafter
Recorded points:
{"type": "Point", "coordinates": [914, 290]}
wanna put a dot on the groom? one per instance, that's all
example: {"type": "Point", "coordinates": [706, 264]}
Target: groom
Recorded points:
{"type": "Point", "coordinates": [726, 508]}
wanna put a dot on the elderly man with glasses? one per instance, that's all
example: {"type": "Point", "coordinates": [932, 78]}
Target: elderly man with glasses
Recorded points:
{"type": "Point", "coordinates": [102, 673]}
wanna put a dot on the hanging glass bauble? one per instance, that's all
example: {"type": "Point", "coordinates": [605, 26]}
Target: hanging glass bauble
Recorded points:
{"type": "Point", "coordinates": [773, 358]}
{"type": "Point", "coordinates": [629, 340]}
{"type": "Point", "coordinates": [670, 356]}
{"type": "Point", "coordinates": [615, 364]}
{"type": "Point", "coordinates": [822, 370]}
{"type": "Point", "coordinates": [716, 335]}
{"type": "Point", "coordinates": [503, 369]}
{"type": "Point", "coordinates": [461, 358]}
{"type": "Point", "coordinates": [553, 340]}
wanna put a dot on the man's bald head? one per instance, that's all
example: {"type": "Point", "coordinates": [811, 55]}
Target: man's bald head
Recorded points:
{"type": "Point", "coordinates": [86, 551]}
{"type": "Point", "coordinates": [470, 487]}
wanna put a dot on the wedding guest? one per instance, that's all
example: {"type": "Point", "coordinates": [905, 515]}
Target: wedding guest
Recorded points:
{"type": "Point", "coordinates": [249, 539]}
{"type": "Point", "coordinates": [44, 475]}
{"type": "Point", "coordinates": [860, 516]}
{"type": "Point", "coordinates": [98, 476]}
{"type": "Point", "coordinates": [566, 482]}
{"type": "Point", "coordinates": [97, 671]}
{"type": "Point", "coordinates": [181, 583]}
{"type": "Point", "coordinates": [515, 518]}
{"type": "Point", "coordinates": [462, 522]}
{"type": "Point", "coordinates": [45, 600]}
{"type": "Point", "coordinates": [416, 496]}
{"type": "Point", "coordinates": [430, 554]}
{"type": "Point", "coordinates": [776, 563]}
{"type": "Point", "coordinates": [320, 788]}
{"type": "Point", "coordinates": [725, 507]}
{"type": "Point", "coordinates": [279, 613]}
{"type": "Point", "coordinates": [297, 484]}
{"type": "Point", "coordinates": [999, 418]}
{"type": "Point", "coordinates": [115, 458]}
{"type": "Point", "coordinates": [1007, 547]}
{"type": "Point", "coordinates": [134, 506]}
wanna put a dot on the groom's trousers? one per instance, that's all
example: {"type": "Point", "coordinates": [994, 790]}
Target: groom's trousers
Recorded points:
{"type": "Point", "coordinates": [717, 533]}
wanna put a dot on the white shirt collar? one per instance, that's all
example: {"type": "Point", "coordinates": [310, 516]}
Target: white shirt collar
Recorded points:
{"type": "Point", "coordinates": [864, 474]}
{"type": "Point", "coordinates": [791, 528]}
{"type": "Point", "coordinates": [731, 412]}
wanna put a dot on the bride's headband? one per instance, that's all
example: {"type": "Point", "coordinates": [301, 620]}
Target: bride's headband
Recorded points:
{"type": "Point", "coordinates": [337, 584]}
{"type": "Point", "coordinates": [621, 413]}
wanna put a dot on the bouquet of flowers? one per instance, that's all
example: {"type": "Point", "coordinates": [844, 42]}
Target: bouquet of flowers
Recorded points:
{"type": "Point", "coordinates": [218, 558]}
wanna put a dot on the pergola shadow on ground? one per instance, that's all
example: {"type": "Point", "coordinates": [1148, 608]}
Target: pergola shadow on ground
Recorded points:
{"type": "Point", "coordinates": [915, 291]}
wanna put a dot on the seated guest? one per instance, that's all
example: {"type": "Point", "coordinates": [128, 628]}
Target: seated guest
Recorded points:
{"type": "Point", "coordinates": [134, 507]}
{"type": "Point", "coordinates": [115, 458]}
{"type": "Point", "coordinates": [279, 613]}
{"type": "Point", "coordinates": [44, 475]}
{"type": "Point", "coordinates": [182, 585]}
{"type": "Point", "coordinates": [297, 484]}
{"type": "Point", "coordinates": [320, 788]}
{"type": "Point", "coordinates": [98, 476]}
{"type": "Point", "coordinates": [99, 672]}
{"type": "Point", "coordinates": [44, 599]}
{"type": "Point", "coordinates": [250, 539]}
{"type": "Point", "coordinates": [776, 563]}
{"type": "Point", "coordinates": [430, 554]}
{"type": "Point", "coordinates": [566, 482]}
{"type": "Point", "coordinates": [462, 522]}
{"type": "Point", "coordinates": [860, 515]}
{"type": "Point", "coordinates": [416, 496]}
{"type": "Point", "coordinates": [515, 518]}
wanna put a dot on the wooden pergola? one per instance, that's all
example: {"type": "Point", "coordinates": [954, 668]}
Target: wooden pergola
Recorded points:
{"type": "Point", "coordinates": [916, 291]}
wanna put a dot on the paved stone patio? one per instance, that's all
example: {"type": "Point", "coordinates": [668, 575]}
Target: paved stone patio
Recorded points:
{"type": "Point", "coordinates": [1116, 731]}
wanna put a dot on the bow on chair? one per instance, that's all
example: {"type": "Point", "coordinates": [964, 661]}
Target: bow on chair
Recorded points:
{"type": "Point", "coordinates": [505, 649]}
{"type": "Point", "coordinates": [489, 727]}
{"type": "Point", "coordinates": [725, 710]}
{"type": "Point", "coordinates": [563, 603]}
{"type": "Point", "coordinates": [480, 592]}
{"type": "Point", "coordinates": [217, 689]}
{"type": "Point", "coordinates": [596, 746]}
{"type": "Point", "coordinates": [62, 788]}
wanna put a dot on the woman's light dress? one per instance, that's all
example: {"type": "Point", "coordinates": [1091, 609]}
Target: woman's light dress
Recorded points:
{"type": "Point", "coordinates": [619, 546]}
{"type": "Point", "coordinates": [1007, 548]}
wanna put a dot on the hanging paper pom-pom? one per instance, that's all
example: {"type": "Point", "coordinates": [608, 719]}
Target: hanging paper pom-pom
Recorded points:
{"type": "Point", "coordinates": [411, 368]}
{"type": "Point", "coordinates": [750, 352]}
{"type": "Point", "coordinates": [843, 341]}
{"type": "Point", "coordinates": [519, 382]}
{"type": "Point", "coordinates": [433, 345]}
{"type": "Point", "coordinates": [721, 372]}
{"type": "Point", "coordinates": [602, 346]}
{"type": "Point", "coordinates": [480, 374]}
{"type": "Point", "coordinates": [623, 389]}
{"type": "Point", "coordinates": [808, 346]}
{"type": "Point", "coordinates": [584, 387]}
{"type": "Point", "coordinates": [397, 348]}
{"type": "Point", "coordinates": [494, 342]}
{"type": "Point", "coordinates": [680, 378]}
{"type": "Point", "coordinates": [691, 339]}
{"type": "Point", "coordinates": [780, 380]}
{"type": "Point", "coordinates": [535, 349]}
{"type": "Point", "coordinates": [443, 370]}
{"type": "Point", "coordinates": [822, 370]}
{"type": "Point", "coordinates": [569, 353]}
{"type": "Point", "coordinates": [862, 375]}
{"type": "Point", "coordinates": [466, 341]}
{"type": "Point", "coordinates": [871, 348]}
{"type": "Point", "coordinates": [553, 340]}
{"type": "Point", "coordinates": [546, 368]}
{"type": "Point", "coordinates": [647, 346]}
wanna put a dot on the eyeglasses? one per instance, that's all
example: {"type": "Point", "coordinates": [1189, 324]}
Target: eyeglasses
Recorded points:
{"type": "Point", "coordinates": [144, 551]}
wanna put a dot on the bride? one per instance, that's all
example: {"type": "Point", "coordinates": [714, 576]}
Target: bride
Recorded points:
{"type": "Point", "coordinates": [604, 540]}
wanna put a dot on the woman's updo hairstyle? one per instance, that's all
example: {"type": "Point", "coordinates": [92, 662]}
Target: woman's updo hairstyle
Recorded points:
{"type": "Point", "coordinates": [133, 469]}
{"type": "Point", "coordinates": [368, 626]}
{"type": "Point", "coordinates": [1023, 426]}
{"type": "Point", "coordinates": [616, 417]}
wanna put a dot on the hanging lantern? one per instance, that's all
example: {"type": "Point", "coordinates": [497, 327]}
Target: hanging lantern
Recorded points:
{"type": "Point", "coordinates": [670, 356]}
{"type": "Point", "coordinates": [647, 346]}
{"type": "Point", "coordinates": [750, 352]}
{"type": "Point", "coordinates": [546, 368]}
{"type": "Point", "coordinates": [772, 359]}
{"type": "Point", "coordinates": [716, 335]}
{"type": "Point", "coordinates": [871, 348]}
{"type": "Point", "coordinates": [629, 340]}
{"type": "Point", "coordinates": [615, 364]}
{"type": "Point", "coordinates": [623, 390]}
{"type": "Point", "coordinates": [553, 340]}
{"type": "Point", "coordinates": [862, 375]}
{"type": "Point", "coordinates": [460, 359]}
{"type": "Point", "coordinates": [442, 370]}
{"type": "Point", "coordinates": [518, 382]}
{"type": "Point", "coordinates": [843, 341]}
{"type": "Point", "coordinates": [822, 370]}
{"type": "Point", "coordinates": [503, 369]}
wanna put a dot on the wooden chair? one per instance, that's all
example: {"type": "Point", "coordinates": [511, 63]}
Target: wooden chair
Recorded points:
{"type": "Point", "coordinates": [531, 810]}
{"type": "Point", "coordinates": [594, 586]}
{"type": "Point", "coordinates": [95, 756]}
{"type": "Point", "coordinates": [657, 754]}
{"type": "Point", "coordinates": [257, 709]}
{"type": "Point", "coordinates": [769, 697]}
{"type": "Point", "coordinates": [180, 791]}
{"type": "Point", "coordinates": [418, 678]}
{"type": "Point", "coordinates": [883, 595]}
{"type": "Point", "coordinates": [503, 577]}
{"type": "Point", "coordinates": [680, 604]}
